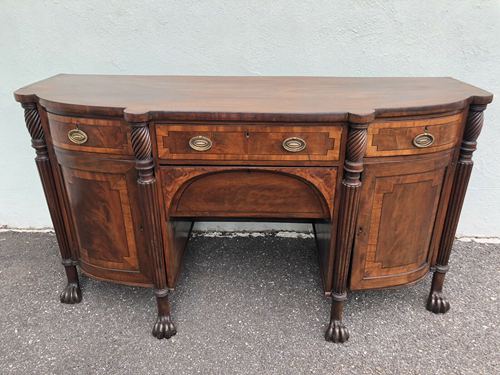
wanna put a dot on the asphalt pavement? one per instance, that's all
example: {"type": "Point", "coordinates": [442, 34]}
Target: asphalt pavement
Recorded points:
{"type": "Point", "coordinates": [243, 305]}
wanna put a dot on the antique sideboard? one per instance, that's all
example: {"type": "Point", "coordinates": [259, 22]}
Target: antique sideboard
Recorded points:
{"type": "Point", "coordinates": [379, 166]}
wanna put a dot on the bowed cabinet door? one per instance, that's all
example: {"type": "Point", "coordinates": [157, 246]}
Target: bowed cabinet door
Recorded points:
{"type": "Point", "coordinates": [400, 219]}
{"type": "Point", "coordinates": [103, 201]}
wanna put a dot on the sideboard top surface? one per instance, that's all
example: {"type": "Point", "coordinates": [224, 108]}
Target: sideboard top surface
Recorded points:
{"type": "Point", "coordinates": [143, 98]}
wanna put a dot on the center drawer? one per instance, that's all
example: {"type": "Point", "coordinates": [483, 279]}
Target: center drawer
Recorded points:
{"type": "Point", "coordinates": [252, 142]}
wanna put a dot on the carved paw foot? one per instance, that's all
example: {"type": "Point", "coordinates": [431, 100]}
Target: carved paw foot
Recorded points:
{"type": "Point", "coordinates": [437, 303]}
{"type": "Point", "coordinates": [337, 332]}
{"type": "Point", "coordinates": [71, 294]}
{"type": "Point", "coordinates": [164, 327]}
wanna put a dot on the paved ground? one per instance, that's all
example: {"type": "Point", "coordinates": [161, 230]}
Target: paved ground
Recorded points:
{"type": "Point", "coordinates": [243, 306]}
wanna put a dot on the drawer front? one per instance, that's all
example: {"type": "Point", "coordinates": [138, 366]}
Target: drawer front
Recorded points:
{"type": "Point", "coordinates": [90, 134]}
{"type": "Point", "coordinates": [256, 142]}
{"type": "Point", "coordinates": [410, 137]}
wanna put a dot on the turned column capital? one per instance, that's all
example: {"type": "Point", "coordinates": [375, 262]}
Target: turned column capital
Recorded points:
{"type": "Point", "coordinates": [140, 139]}
{"type": "Point", "coordinates": [473, 127]}
{"type": "Point", "coordinates": [35, 129]}
{"type": "Point", "coordinates": [357, 140]}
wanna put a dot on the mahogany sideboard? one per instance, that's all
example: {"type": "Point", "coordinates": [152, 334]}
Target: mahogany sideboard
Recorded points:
{"type": "Point", "coordinates": [380, 166]}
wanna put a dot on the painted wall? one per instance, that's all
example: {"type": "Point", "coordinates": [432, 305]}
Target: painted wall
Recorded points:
{"type": "Point", "coordinates": [258, 37]}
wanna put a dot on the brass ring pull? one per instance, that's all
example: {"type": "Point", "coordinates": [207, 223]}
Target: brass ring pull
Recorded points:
{"type": "Point", "coordinates": [200, 143]}
{"type": "Point", "coordinates": [78, 136]}
{"type": "Point", "coordinates": [423, 140]}
{"type": "Point", "coordinates": [294, 144]}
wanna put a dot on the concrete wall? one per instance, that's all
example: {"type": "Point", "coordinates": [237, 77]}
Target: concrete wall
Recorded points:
{"type": "Point", "coordinates": [280, 37]}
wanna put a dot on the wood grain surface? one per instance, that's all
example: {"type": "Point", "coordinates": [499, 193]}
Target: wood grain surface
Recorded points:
{"type": "Point", "coordinates": [142, 98]}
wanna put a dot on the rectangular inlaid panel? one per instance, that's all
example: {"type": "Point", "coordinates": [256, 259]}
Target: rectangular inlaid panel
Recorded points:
{"type": "Point", "coordinates": [399, 204]}
{"type": "Point", "coordinates": [396, 137]}
{"type": "Point", "coordinates": [106, 217]}
{"type": "Point", "coordinates": [103, 218]}
{"type": "Point", "coordinates": [103, 135]}
{"type": "Point", "coordinates": [249, 142]}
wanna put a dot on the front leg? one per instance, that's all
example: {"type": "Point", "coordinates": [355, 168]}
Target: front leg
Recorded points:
{"type": "Point", "coordinates": [337, 331]}
{"type": "Point", "coordinates": [351, 185]}
{"type": "Point", "coordinates": [151, 218]}
{"type": "Point", "coordinates": [163, 328]}
{"type": "Point", "coordinates": [437, 302]}
{"type": "Point", "coordinates": [72, 293]}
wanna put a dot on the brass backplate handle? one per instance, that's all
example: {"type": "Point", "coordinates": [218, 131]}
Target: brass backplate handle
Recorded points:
{"type": "Point", "coordinates": [423, 140]}
{"type": "Point", "coordinates": [78, 136]}
{"type": "Point", "coordinates": [200, 143]}
{"type": "Point", "coordinates": [294, 144]}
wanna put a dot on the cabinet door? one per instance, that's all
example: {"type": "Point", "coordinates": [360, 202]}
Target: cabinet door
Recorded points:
{"type": "Point", "coordinates": [399, 221]}
{"type": "Point", "coordinates": [104, 208]}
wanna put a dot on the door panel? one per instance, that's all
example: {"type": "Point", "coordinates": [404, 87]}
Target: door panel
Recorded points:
{"type": "Point", "coordinates": [104, 221]}
{"type": "Point", "coordinates": [106, 216]}
{"type": "Point", "coordinates": [396, 231]}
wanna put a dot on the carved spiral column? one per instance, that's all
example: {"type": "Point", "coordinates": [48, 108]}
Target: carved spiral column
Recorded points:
{"type": "Point", "coordinates": [151, 217]}
{"type": "Point", "coordinates": [351, 183]}
{"type": "Point", "coordinates": [72, 292]}
{"type": "Point", "coordinates": [436, 302]}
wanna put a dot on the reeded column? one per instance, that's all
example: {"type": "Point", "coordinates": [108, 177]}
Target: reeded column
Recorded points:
{"type": "Point", "coordinates": [436, 302]}
{"type": "Point", "coordinates": [151, 218]}
{"type": "Point", "coordinates": [349, 203]}
{"type": "Point", "coordinates": [72, 293]}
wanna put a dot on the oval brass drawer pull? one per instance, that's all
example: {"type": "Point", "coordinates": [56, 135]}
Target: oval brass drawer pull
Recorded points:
{"type": "Point", "coordinates": [200, 143]}
{"type": "Point", "coordinates": [77, 136]}
{"type": "Point", "coordinates": [294, 144]}
{"type": "Point", "coordinates": [423, 140]}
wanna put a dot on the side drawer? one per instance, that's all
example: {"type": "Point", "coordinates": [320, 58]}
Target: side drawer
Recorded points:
{"type": "Point", "coordinates": [92, 135]}
{"type": "Point", "coordinates": [252, 142]}
{"type": "Point", "coordinates": [411, 137]}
